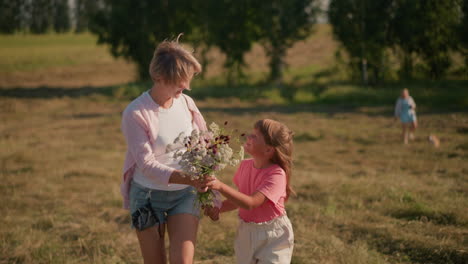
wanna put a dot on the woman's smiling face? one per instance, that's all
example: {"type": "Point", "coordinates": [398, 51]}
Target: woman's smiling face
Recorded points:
{"type": "Point", "coordinates": [176, 90]}
{"type": "Point", "coordinates": [179, 89]}
{"type": "Point", "coordinates": [169, 90]}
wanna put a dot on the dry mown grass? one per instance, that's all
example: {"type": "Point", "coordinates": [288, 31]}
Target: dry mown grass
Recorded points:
{"type": "Point", "coordinates": [362, 196]}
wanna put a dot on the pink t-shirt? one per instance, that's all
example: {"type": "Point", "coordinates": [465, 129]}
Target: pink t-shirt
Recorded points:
{"type": "Point", "coordinates": [270, 181]}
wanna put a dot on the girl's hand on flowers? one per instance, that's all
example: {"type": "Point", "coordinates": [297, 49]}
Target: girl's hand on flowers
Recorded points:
{"type": "Point", "coordinates": [214, 184]}
{"type": "Point", "coordinates": [212, 212]}
{"type": "Point", "coordinates": [199, 185]}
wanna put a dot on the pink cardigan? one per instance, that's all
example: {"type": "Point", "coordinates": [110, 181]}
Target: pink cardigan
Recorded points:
{"type": "Point", "coordinates": [140, 128]}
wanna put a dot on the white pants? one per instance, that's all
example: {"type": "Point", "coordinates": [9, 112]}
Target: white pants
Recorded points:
{"type": "Point", "coordinates": [270, 242]}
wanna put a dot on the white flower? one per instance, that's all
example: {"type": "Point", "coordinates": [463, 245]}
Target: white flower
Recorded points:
{"type": "Point", "coordinates": [199, 154]}
{"type": "Point", "coordinates": [179, 138]}
{"type": "Point", "coordinates": [208, 161]}
{"type": "Point", "coordinates": [194, 137]}
{"type": "Point", "coordinates": [214, 128]}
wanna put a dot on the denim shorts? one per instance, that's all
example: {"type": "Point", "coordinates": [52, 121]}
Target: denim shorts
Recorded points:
{"type": "Point", "coordinates": [163, 203]}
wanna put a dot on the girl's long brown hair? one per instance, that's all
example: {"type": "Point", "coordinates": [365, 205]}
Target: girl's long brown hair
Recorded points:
{"type": "Point", "coordinates": [280, 138]}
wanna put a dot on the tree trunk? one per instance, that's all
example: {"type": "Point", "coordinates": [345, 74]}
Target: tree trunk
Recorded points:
{"type": "Point", "coordinates": [407, 68]}
{"type": "Point", "coordinates": [277, 64]}
{"type": "Point", "coordinates": [204, 61]}
{"type": "Point", "coordinates": [365, 78]}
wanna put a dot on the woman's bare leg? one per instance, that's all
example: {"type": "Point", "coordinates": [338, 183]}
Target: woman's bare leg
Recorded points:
{"type": "Point", "coordinates": [182, 229]}
{"type": "Point", "coordinates": [404, 133]}
{"type": "Point", "coordinates": [152, 245]}
{"type": "Point", "coordinates": [413, 127]}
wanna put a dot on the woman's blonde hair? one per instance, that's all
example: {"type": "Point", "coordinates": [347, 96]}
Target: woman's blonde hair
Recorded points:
{"type": "Point", "coordinates": [280, 138]}
{"type": "Point", "coordinates": [171, 63]}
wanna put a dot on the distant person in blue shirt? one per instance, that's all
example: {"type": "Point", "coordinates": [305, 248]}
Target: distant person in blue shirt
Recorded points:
{"type": "Point", "coordinates": [405, 110]}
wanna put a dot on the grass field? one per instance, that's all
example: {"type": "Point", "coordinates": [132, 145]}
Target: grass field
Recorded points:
{"type": "Point", "coordinates": [59, 61]}
{"type": "Point", "coordinates": [363, 197]}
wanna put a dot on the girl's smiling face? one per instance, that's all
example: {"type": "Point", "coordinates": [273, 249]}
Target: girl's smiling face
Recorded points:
{"type": "Point", "coordinates": [255, 144]}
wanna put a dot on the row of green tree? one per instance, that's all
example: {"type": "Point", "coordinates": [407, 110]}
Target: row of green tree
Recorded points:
{"type": "Point", "coordinates": [419, 32]}
{"type": "Point", "coordinates": [133, 27]}
{"type": "Point", "coordinates": [426, 32]}
{"type": "Point", "coordinates": [44, 16]}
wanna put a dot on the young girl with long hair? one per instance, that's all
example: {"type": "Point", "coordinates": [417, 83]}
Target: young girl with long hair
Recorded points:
{"type": "Point", "coordinates": [265, 234]}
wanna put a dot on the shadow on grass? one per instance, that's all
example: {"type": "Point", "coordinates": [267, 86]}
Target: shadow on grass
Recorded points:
{"type": "Point", "coordinates": [330, 110]}
{"type": "Point", "coordinates": [345, 96]}
{"type": "Point", "coordinates": [130, 91]}
{"type": "Point", "coordinates": [446, 94]}
{"type": "Point", "coordinates": [45, 92]}
{"type": "Point", "coordinates": [328, 97]}
{"type": "Point", "coordinates": [307, 137]}
{"type": "Point", "coordinates": [242, 91]}
{"type": "Point", "coordinates": [418, 212]}
{"type": "Point", "coordinates": [387, 243]}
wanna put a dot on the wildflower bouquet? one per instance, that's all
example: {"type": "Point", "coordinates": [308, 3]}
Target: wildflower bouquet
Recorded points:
{"type": "Point", "coordinates": [204, 154]}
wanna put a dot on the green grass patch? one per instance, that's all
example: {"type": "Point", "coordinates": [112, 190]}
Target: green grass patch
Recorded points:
{"type": "Point", "coordinates": [29, 53]}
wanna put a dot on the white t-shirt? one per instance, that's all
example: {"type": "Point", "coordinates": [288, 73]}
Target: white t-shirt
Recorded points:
{"type": "Point", "coordinates": [172, 121]}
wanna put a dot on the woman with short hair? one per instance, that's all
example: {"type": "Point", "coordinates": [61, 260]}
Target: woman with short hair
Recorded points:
{"type": "Point", "coordinates": [156, 192]}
